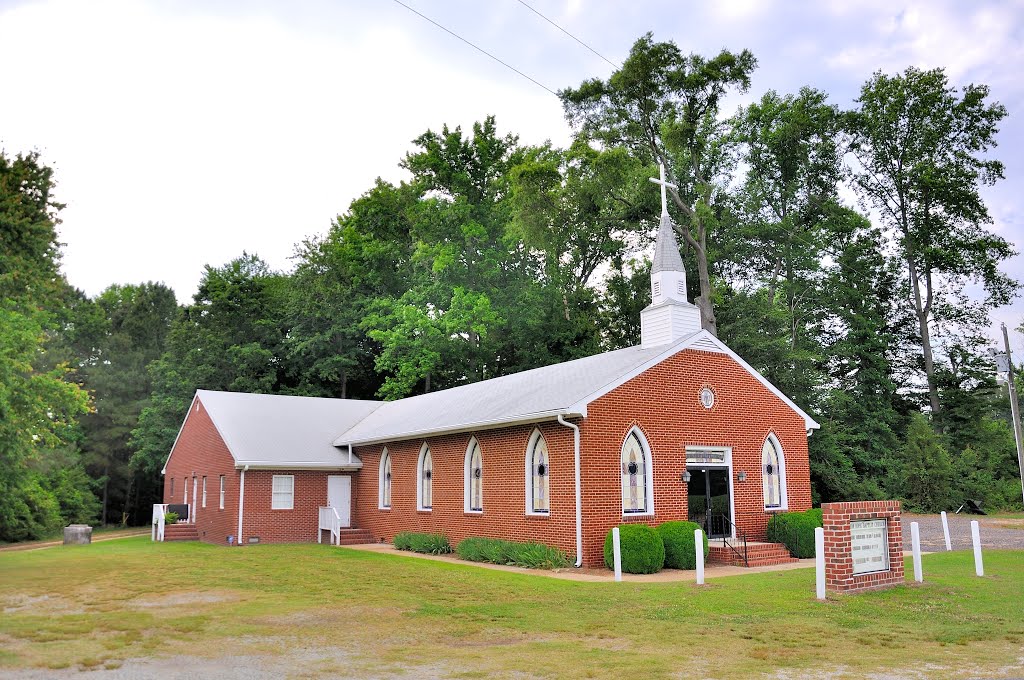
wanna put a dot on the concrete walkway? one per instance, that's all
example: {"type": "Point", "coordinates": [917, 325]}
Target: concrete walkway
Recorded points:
{"type": "Point", "coordinates": [591, 575]}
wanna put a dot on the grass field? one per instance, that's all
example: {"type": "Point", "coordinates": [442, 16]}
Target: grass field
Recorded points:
{"type": "Point", "coordinates": [100, 605]}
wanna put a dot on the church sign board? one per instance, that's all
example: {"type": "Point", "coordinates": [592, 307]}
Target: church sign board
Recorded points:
{"type": "Point", "coordinates": [860, 537]}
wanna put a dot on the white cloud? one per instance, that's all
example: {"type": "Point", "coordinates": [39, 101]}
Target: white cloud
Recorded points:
{"type": "Point", "coordinates": [182, 140]}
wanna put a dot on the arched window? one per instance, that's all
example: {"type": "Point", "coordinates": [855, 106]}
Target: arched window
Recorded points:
{"type": "Point", "coordinates": [637, 482]}
{"type": "Point", "coordinates": [474, 477]}
{"type": "Point", "coordinates": [425, 471]}
{"type": "Point", "coordinates": [538, 474]}
{"type": "Point", "coordinates": [773, 473]}
{"type": "Point", "coordinates": [384, 494]}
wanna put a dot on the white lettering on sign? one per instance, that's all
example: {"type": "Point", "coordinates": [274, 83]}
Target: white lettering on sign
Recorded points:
{"type": "Point", "coordinates": [869, 540]}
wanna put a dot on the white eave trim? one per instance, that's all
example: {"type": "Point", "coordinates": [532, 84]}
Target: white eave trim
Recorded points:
{"type": "Point", "coordinates": [537, 417]}
{"type": "Point", "coordinates": [296, 465]}
{"type": "Point", "coordinates": [163, 470]}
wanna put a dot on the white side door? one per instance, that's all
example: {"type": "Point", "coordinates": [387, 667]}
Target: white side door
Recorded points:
{"type": "Point", "coordinates": [339, 497]}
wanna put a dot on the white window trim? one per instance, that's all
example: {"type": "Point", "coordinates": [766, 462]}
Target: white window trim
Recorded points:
{"type": "Point", "coordinates": [419, 480]}
{"type": "Point", "coordinates": [783, 496]}
{"type": "Point", "coordinates": [291, 503]}
{"type": "Point", "coordinates": [728, 466]}
{"type": "Point", "coordinates": [528, 475]}
{"type": "Point", "coordinates": [222, 492]}
{"type": "Point", "coordinates": [467, 477]}
{"type": "Point", "coordinates": [648, 474]}
{"type": "Point", "coordinates": [381, 481]}
{"type": "Point", "coordinates": [204, 491]}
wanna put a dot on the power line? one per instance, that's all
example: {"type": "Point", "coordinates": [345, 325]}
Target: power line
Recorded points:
{"type": "Point", "coordinates": [476, 47]}
{"type": "Point", "coordinates": [569, 34]}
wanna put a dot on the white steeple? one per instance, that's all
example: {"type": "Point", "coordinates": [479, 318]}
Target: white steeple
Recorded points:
{"type": "Point", "coordinates": [670, 316]}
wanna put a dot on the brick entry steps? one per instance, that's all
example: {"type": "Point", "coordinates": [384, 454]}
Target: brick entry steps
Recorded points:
{"type": "Point", "coordinates": [354, 537]}
{"type": "Point", "coordinates": [181, 532]}
{"type": "Point", "coordinates": [758, 555]}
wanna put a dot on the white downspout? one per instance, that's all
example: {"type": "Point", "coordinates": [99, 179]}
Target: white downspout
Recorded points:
{"type": "Point", "coordinates": [579, 502]}
{"type": "Point", "coordinates": [350, 454]}
{"type": "Point", "coordinates": [241, 503]}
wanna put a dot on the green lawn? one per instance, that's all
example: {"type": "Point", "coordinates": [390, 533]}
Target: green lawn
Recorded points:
{"type": "Point", "coordinates": [97, 605]}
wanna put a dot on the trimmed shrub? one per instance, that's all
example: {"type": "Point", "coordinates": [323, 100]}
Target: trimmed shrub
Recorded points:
{"type": "Point", "coordinates": [511, 553]}
{"type": "Point", "coordinates": [170, 517]}
{"type": "Point", "coordinates": [643, 551]}
{"type": "Point", "coordinates": [430, 544]}
{"type": "Point", "coordinates": [679, 546]}
{"type": "Point", "coordinates": [795, 530]}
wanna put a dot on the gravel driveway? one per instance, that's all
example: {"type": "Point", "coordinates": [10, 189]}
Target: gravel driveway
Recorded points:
{"type": "Point", "coordinates": [995, 533]}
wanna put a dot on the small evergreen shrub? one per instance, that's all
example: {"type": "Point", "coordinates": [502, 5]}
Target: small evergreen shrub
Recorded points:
{"type": "Point", "coordinates": [795, 530]}
{"type": "Point", "coordinates": [511, 553]}
{"type": "Point", "coordinates": [170, 517]}
{"type": "Point", "coordinates": [680, 551]}
{"type": "Point", "coordinates": [430, 544]}
{"type": "Point", "coordinates": [643, 551]}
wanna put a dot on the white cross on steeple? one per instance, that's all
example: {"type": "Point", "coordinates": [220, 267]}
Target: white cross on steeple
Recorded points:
{"type": "Point", "coordinates": [664, 184]}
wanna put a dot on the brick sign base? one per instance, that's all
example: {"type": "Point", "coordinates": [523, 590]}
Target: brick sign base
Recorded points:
{"type": "Point", "coordinates": [839, 548]}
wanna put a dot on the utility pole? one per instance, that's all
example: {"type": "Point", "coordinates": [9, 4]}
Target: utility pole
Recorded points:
{"type": "Point", "coordinates": [1014, 409]}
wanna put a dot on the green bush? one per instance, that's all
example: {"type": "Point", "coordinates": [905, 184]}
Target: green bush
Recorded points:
{"type": "Point", "coordinates": [795, 530]}
{"type": "Point", "coordinates": [430, 544]}
{"type": "Point", "coordinates": [511, 553]}
{"type": "Point", "coordinates": [643, 551]}
{"type": "Point", "coordinates": [170, 517]}
{"type": "Point", "coordinates": [679, 546]}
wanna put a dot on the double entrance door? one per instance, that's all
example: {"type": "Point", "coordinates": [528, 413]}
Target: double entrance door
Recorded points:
{"type": "Point", "coordinates": [710, 499]}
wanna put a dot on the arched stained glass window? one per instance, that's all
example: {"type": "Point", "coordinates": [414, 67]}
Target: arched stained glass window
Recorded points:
{"type": "Point", "coordinates": [426, 473]}
{"type": "Point", "coordinates": [474, 478]}
{"type": "Point", "coordinates": [385, 480]}
{"type": "Point", "coordinates": [635, 463]}
{"type": "Point", "coordinates": [539, 476]}
{"type": "Point", "coordinates": [772, 473]}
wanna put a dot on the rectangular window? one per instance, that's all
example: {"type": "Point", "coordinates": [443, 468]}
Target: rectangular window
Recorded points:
{"type": "Point", "coordinates": [283, 497]}
{"type": "Point", "coordinates": [204, 491]}
{"type": "Point", "coordinates": [172, 488]}
{"type": "Point", "coordinates": [222, 492]}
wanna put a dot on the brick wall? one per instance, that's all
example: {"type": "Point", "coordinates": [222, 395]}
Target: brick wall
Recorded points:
{"type": "Point", "coordinates": [663, 402]}
{"type": "Point", "coordinates": [503, 460]}
{"type": "Point", "coordinates": [836, 518]}
{"type": "Point", "coordinates": [298, 525]}
{"type": "Point", "coordinates": [199, 452]}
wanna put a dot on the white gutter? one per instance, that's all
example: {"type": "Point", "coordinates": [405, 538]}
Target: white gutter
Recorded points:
{"type": "Point", "coordinates": [579, 503]}
{"type": "Point", "coordinates": [495, 423]}
{"type": "Point", "coordinates": [241, 503]}
{"type": "Point", "coordinates": [298, 465]}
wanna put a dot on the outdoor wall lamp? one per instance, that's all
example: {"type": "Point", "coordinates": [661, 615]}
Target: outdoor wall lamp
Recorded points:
{"type": "Point", "coordinates": [686, 477]}
{"type": "Point", "coordinates": [742, 476]}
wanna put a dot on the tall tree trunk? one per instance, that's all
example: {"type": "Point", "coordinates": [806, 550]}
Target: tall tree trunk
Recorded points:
{"type": "Point", "coordinates": [426, 387]}
{"type": "Point", "coordinates": [106, 488]}
{"type": "Point", "coordinates": [921, 310]}
{"type": "Point", "coordinates": [344, 384]}
{"type": "Point", "coordinates": [704, 300]}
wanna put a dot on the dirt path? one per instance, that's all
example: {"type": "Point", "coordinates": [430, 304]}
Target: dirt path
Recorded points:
{"type": "Point", "coordinates": [97, 538]}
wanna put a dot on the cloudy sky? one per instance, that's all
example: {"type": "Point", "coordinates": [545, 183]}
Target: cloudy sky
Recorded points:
{"type": "Point", "coordinates": [185, 132]}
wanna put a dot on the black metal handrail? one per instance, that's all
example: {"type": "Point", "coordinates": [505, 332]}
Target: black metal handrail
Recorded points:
{"type": "Point", "coordinates": [712, 522]}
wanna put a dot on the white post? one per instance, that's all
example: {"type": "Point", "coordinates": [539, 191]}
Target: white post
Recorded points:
{"type": "Point", "coordinates": [819, 562]}
{"type": "Point", "coordinates": [698, 546]}
{"type": "Point", "coordinates": [915, 546]}
{"type": "Point", "coordinates": [945, 530]}
{"type": "Point", "coordinates": [617, 554]}
{"type": "Point", "coordinates": [979, 568]}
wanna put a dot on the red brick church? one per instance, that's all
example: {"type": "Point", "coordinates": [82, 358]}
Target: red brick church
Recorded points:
{"type": "Point", "coordinates": [679, 427]}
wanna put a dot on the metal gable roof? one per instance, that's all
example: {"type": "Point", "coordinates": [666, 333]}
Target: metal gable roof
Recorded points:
{"type": "Point", "coordinates": [529, 396]}
{"type": "Point", "coordinates": [279, 431]}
